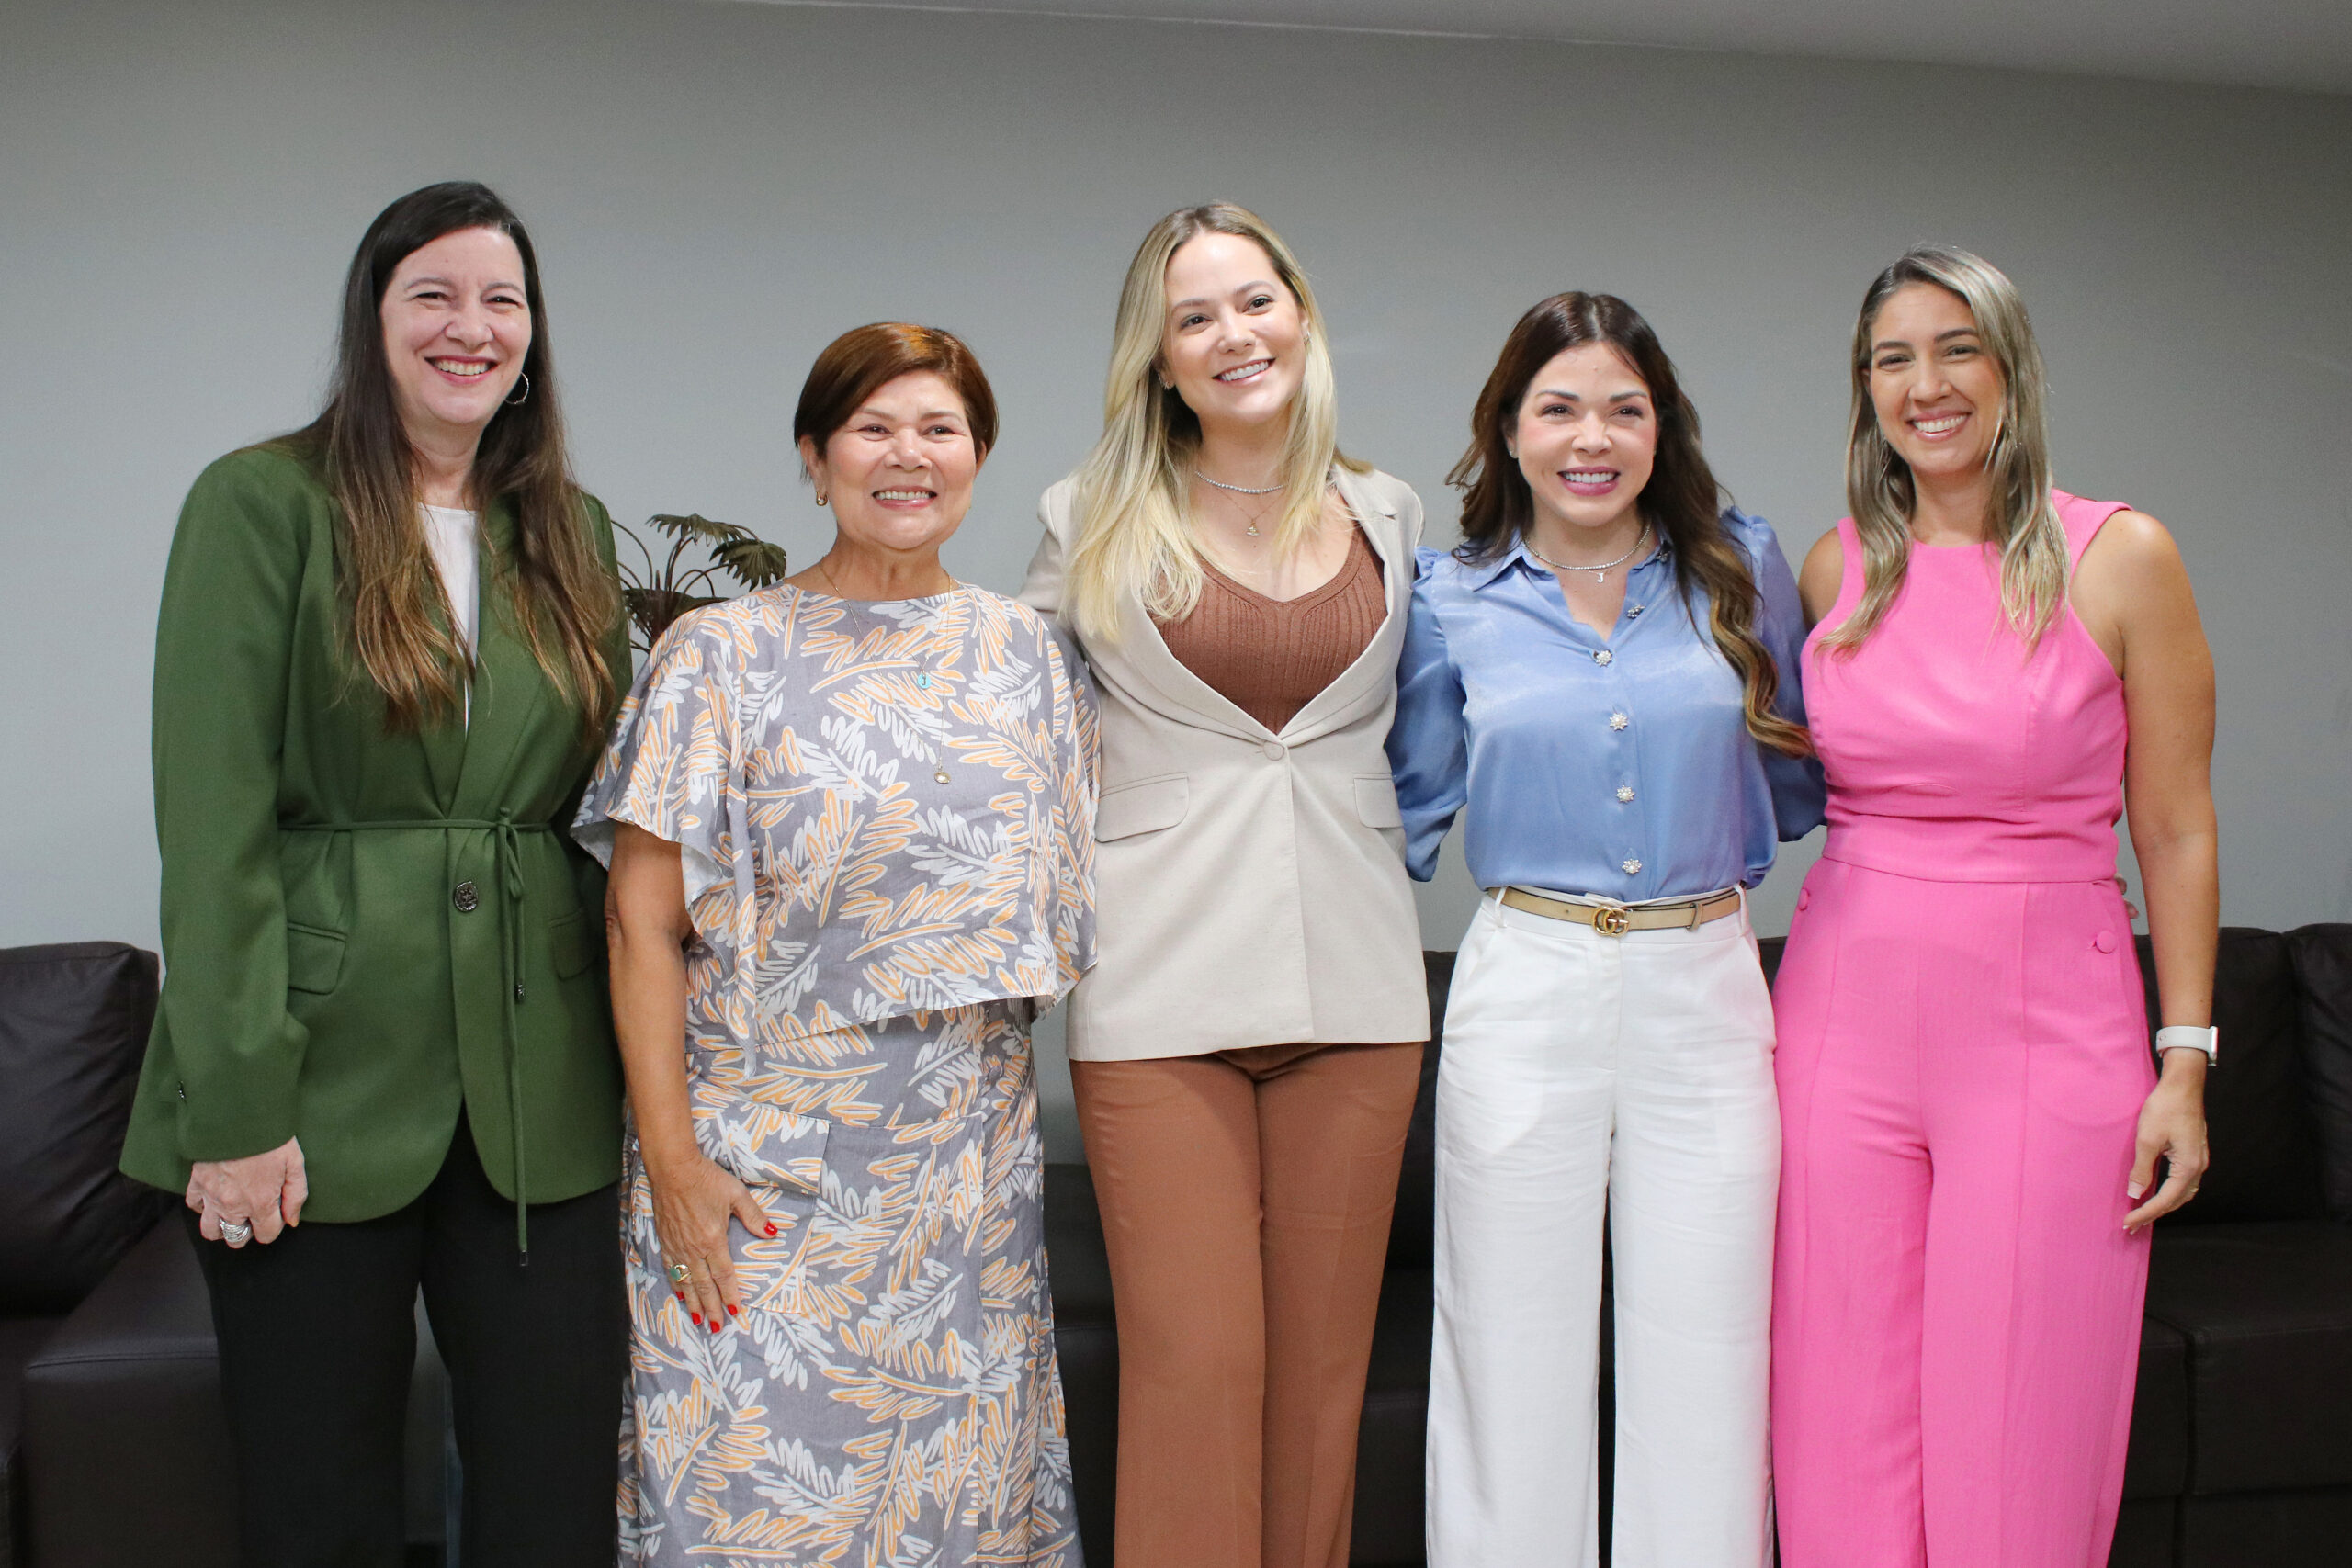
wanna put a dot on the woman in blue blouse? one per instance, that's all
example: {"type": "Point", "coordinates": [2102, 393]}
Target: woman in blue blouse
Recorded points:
{"type": "Point", "coordinates": [1604, 676]}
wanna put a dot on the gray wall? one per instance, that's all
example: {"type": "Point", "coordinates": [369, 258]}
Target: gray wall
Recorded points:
{"type": "Point", "coordinates": [717, 189]}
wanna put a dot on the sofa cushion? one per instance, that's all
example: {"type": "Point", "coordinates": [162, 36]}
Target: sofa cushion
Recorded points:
{"type": "Point", "coordinates": [2258, 1114]}
{"type": "Point", "coordinates": [2323, 959]}
{"type": "Point", "coordinates": [1412, 1239]}
{"type": "Point", "coordinates": [1086, 1340]}
{"type": "Point", "coordinates": [124, 1403]}
{"type": "Point", "coordinates": [1387, 1529]}
{"type": "Point", "coordinates": [20, 1338]}
{"type": "Point", "coordinates": [2267, 1309]}
{"type": "Point", "coordinates": [2157, 1463]}
{"type": "Point", "coordinates": [74, 1021]}
{"type": "Point", "coordinates": [2268, 1530]}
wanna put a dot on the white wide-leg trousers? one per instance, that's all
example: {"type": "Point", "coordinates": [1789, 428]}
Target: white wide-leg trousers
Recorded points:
{"type": "Point", "coordinates": [1587, 1074]}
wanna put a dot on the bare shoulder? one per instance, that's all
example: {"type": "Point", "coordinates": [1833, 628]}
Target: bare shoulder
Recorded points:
{"type": "Point", "coordinates": [2131, 550]}
{"type": "Point", "coordinates": [1823, 576]}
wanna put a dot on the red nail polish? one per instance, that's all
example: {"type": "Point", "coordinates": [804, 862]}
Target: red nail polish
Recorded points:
{"type": "Point", "coordinates": [732, 1313]}
{"type": "Point", "coordinates": [681, 1295]}
{"type": "Point", "coordinates": [714, 1325]}
{"type": "Point", "coordinates": [698, 1317]}
{"type": "Point", "coordinates": [771, 1230]}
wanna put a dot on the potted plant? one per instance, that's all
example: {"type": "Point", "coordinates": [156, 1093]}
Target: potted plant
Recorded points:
{"type": "Point", "coordinates": [660, 594]}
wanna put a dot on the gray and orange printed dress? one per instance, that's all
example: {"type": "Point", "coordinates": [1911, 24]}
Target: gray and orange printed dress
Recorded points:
{"type": "Point", "coordinates": [870, 944]}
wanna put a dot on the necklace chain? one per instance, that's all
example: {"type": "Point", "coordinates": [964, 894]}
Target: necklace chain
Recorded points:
{"type": "Point", "coordinates": [1237, 490]}
{"type": "Point", "coordinates": [1600, 571]}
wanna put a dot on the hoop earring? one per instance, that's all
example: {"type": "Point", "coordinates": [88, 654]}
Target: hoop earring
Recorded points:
{"type": "Point", "coordinates": [821, 499]}
{"type": "Point", "coordinates": [513, 401]}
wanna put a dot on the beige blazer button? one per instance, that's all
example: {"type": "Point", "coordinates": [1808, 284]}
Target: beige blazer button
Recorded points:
{"type": "Point", "coordinates": [1275, 750]}
{"type": "Point", "coordinates": [464, 896]}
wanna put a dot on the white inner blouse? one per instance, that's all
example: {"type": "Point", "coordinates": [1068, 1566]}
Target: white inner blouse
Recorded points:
{"type": "Point", "coordinates": [449, 533]}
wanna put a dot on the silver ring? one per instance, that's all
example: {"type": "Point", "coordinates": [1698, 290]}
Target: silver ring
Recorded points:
{"type": "Point", "coordinates": [235, 1233]}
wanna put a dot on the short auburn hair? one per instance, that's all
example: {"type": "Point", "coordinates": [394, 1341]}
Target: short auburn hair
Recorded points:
{"type": "Point", "coordinates": [865, 357]}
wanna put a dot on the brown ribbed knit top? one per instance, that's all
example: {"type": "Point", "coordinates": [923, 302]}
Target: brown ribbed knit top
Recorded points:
{"type": "Point", "coordinates": [1269, 657]}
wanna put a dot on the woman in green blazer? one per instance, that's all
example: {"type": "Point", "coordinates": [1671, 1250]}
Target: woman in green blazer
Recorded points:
{"type": "Point", "coordinates": [387, 649]}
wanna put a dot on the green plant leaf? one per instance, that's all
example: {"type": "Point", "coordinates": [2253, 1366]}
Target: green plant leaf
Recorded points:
{"type": "Point", "coordinates": [752, 562]}
{"type": "Point", "coordinates": [693, 525]}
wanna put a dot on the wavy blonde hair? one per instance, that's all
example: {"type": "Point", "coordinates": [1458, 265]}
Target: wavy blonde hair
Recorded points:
{"type": "Point", "coordinates": [1135, 541]}
{"type": "Point", "coordinates": [1878, 488]}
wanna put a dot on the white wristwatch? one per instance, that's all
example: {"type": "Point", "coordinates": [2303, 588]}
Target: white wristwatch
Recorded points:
{"type": "Point", "coordinates": [2182, 1037]}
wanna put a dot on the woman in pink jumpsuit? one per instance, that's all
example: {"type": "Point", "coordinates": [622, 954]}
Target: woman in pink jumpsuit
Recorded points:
{"type": "Point", "coordinates": [1970, 1121]}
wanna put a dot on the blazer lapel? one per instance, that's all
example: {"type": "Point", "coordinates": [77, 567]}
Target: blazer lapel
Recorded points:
{"type": "Point", "coordinates": [1377, 662]}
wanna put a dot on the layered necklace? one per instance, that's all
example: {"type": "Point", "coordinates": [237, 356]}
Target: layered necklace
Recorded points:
{"type": "Point", "coordinates": [1599, 572]}
{"type": "Point", "coordinates": [1237, 490]}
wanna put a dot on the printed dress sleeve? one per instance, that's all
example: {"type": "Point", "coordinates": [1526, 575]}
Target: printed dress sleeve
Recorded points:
{"type": "Point", "coordinates": [1076, 758]}
{"type": "Point", "coordinates": [672, 767]}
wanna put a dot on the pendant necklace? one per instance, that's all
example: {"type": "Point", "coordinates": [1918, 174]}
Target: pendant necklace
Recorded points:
{"type": "Point", "coordinates": [1237, 490]}
{"type": "Point", "coordinates": [1600, 571]}
{"type": "Point", "coordinates": [922, 683]}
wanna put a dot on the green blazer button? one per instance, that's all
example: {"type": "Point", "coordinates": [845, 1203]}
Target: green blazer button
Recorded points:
{"type": "Point", "coordinates": [466, 898]}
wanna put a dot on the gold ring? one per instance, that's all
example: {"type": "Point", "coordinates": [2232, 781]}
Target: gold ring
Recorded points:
{"type": "Point", "coordinates": [678, 1272]}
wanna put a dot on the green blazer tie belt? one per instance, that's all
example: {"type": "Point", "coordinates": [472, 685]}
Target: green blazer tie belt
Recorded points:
{"type": "Point", "coordinates": [506, 833]}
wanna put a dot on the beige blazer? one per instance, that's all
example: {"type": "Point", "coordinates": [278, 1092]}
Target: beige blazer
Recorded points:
{"type": "Point", "coordinates": [1250, 886]}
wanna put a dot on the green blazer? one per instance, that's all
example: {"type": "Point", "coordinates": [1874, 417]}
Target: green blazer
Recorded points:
{"type": "Point", "coordinates": [364, 932]}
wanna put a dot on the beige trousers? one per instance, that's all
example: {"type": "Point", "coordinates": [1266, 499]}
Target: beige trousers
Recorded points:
{"type": "Point", "coordinates": [1244, 1199]}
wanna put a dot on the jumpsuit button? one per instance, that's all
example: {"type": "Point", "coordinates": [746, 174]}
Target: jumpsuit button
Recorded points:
{"type": "Point", "coordinates": [1624, 792]}
{"type": "Point", "coordinates": [1629, 866]}
{"type": "Point", "coordinates": [1274, 751]}
{"type": "Point", "coordinates": [1804, 897]}
{"type": "Point", "coordinates": [2104, 942]}
{"type": "Point", "coordinates": [464, 896]}
{"type": "Point", "coordinates": [1618, 721]}
{"type": "Point", "coordinates": [1602, 656]}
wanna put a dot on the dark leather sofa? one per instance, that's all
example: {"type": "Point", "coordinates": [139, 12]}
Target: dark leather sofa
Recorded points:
{"type": "Point", "coordinates": [113, 1446]}
{"type": "Point", "coordinates": [2241, 1450]}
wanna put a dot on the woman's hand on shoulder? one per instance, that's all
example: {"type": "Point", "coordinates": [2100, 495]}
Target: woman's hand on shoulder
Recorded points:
{"type": "Point", "coordinates": [265, 1191]}
{"type": "Point", "coordinates": [694, 1198]}
{"type": "Point", "coordinates": [1824, 576]}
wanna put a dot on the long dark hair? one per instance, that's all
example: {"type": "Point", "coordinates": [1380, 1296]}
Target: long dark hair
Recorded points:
{"type": "Point", "coordinates": [1683, 501]}
{"type": "Point", "coordinates": [565, 597]}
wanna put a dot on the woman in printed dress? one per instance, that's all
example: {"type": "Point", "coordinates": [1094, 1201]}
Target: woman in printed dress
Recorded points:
{"type": "Point", "coordinates": [850, 822]}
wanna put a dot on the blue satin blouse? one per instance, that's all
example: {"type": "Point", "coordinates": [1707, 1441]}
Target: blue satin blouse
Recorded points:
{"type": "Point", "coordinates": [1620, 766]}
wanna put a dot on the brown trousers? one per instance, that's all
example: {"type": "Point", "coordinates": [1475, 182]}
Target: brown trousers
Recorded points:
{"type": "Point", "coordinates": [1244, 1199]}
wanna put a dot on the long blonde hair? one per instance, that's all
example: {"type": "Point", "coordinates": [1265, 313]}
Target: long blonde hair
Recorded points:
{"type": "Point", "coordinates": [1135, 542]}
{"type": "Point", "coordinates": [1878, 488]}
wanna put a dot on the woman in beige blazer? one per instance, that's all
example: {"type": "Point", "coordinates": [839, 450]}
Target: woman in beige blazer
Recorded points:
{"type": "Point", "coordinates": [1246, 1050]}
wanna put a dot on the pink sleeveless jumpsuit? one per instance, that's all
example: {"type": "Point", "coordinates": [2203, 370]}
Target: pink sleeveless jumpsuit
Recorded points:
{"type": "Point", "coordinates": [1963, 1056]}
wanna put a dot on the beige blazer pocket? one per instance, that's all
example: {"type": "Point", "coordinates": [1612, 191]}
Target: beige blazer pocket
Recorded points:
{"type": "Point", "coordinates": [1149, 804]}
{"type": "Point", "coordinates": [1376, 801]}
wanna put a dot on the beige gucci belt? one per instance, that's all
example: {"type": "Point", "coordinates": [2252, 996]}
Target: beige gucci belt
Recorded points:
{"type": "Point", "coordinates": [1616, 919]}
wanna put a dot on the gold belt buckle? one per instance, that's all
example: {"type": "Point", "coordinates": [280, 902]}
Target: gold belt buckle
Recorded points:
{"type": "Point", "coordinates": [1609, 919]}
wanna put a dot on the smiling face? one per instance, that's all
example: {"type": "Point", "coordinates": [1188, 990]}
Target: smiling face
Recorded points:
{"type": "Point", "coordinates": [1586, 439]}
{"type": "Point", "coordinates": [898, 473]}
{"type": "Point", "coordinates": [456, 327]}
{"type": "Point", "coordinates": [1937, 392]}
{"type": "Point", "coordinates": [1234, 342]}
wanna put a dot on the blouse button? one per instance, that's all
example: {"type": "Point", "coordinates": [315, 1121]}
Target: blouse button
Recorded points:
{"type": "Point", "coordinates": [1629, 866]}
{"type": "Point", "coordinates": [1624, 792]}
{"type": "Point", "coordinates": [1274, 751]}
{"type": "Point", "coordinates": [2104, 942]}
{"type": "Point", "coordinates": [1804, 897]}
{"type": "Point", "coordinates": [1602, 656]}
{"type": "Point", "coordinates": [1618, 721]}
